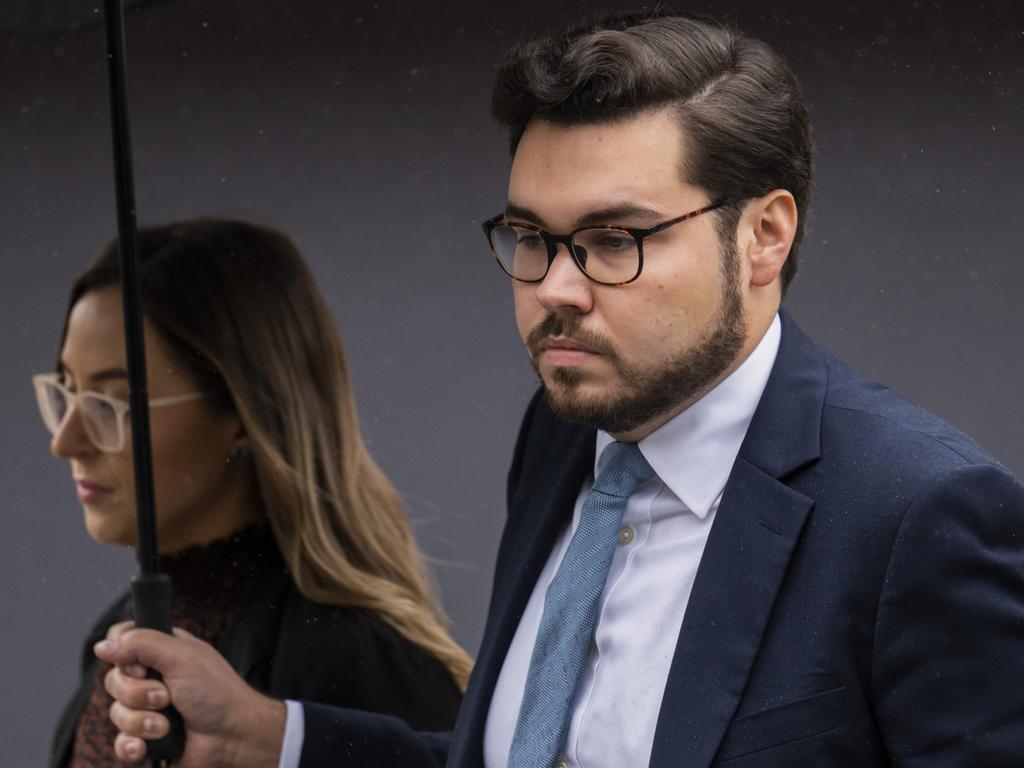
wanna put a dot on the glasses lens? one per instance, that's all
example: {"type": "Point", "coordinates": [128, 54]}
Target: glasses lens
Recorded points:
{"type": "Point", "coordinates": [607, 255]}
{"type": "Point", "coordinates": [52, 403]}
{"type": "Point", "coordinates": [521, 251]}
{"type": "Point", "coordinates": [100, 419]}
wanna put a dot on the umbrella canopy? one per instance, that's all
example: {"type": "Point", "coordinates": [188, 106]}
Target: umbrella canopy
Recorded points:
{"type": "Point", "coordinates": [34, 17]}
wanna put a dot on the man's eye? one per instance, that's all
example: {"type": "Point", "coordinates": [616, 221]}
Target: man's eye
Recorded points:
{"type": "Point", "coordinates": [609, 242]}
{"type": "Point", "coordinates": [613, 242]}
{"type": "Point", "coordinates": [529, 240]}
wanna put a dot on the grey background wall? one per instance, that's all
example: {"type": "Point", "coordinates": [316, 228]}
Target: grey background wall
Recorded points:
{"type": "Point", "coordinates": [361, 128]}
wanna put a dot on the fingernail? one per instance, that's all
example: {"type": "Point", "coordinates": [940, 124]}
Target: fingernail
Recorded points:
{"type": "Point", "coordinates": [157, 698]}
{"type": "Point", "coordinates": [151, 725]}
{"type": "Point", "coordinates": [133, 748]}
{"type": "Point", "coordinates": [105, 646]}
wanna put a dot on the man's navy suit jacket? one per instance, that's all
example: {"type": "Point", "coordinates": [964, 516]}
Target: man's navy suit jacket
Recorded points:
{"type": "Point", "coordinates": [860, 601]}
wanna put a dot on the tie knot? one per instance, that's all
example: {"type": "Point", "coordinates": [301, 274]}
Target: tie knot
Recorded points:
{"type": "Point", "coordinates": [625, 468]}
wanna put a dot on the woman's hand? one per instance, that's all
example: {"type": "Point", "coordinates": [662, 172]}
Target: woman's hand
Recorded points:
{"type": "Point", "coordinates": [227, 723]}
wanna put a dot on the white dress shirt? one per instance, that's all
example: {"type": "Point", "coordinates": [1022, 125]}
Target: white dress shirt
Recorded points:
{"type": "Point", "coordinates": [294, 734]}
{"type": "Point", "coordinates": [664, 530]}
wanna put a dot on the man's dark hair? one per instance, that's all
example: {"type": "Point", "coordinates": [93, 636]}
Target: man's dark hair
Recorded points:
{"type": "Point", "coordinates": [742, 115]}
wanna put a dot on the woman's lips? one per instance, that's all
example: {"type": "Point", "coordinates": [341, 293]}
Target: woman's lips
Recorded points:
{"type": "Point", "coordinates": [88, 492]}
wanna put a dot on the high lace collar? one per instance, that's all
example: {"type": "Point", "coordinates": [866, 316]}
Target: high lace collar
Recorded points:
{"type": "Point", "coordinates": [221, 570]}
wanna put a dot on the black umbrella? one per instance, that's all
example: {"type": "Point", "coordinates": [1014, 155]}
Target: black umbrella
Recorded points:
{"type": "Point", "coordinates": [151, 590]}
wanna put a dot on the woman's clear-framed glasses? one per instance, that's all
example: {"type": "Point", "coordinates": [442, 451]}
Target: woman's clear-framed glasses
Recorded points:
{"type": "Point", "coordinates": [102, 416]}
{"type": "Point", "coordinates": [607, 254]}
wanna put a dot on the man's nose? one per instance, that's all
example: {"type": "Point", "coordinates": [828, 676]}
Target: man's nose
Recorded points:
{"type": "Point", "coordinates": [565, 286]}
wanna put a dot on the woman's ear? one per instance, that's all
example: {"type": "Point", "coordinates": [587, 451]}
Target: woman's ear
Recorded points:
{"type": "Point", "coordinates": [240, 450]}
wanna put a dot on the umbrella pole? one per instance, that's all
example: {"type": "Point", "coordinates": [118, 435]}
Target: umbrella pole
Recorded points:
{"type": "Point", "coordinates": [151, 590]}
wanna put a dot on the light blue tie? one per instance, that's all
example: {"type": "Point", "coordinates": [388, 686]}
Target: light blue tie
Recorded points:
{"type": "Point", "coordinates": [570, 612]}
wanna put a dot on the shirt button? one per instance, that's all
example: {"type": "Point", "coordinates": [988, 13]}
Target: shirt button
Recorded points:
{"type": "Point", "coordinates": [626, 534]}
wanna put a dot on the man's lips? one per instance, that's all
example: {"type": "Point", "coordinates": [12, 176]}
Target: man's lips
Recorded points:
{"type": "Point", "coordinates": [564, 352]}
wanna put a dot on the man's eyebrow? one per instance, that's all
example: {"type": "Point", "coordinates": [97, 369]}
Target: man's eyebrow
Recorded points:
{"type": "Point", "coordinates": [522, 212]}
{"type": "Point", "coordinates": [616, 214]}
{"type": "Point", "coordinates": [613, 214]}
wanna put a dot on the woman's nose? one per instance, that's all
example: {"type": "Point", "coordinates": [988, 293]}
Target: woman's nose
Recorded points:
{"type": "Point", "coordinates": [70, 438]}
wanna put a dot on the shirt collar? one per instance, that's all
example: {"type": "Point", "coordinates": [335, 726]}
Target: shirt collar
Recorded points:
{"type": "Point", "coordinates": [693, 452]}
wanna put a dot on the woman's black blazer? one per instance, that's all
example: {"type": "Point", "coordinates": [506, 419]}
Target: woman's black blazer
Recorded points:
{"type": "Point", "coordinates": [287, 646]}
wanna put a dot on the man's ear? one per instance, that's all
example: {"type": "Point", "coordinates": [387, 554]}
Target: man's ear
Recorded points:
{"type": "Point", "coordinates": [770, 222]}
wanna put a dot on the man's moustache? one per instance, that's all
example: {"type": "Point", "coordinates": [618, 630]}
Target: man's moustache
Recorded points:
{"type": "Point", "coordinates": [567, 328]}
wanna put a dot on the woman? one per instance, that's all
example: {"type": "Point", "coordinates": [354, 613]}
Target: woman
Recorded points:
{"type": "Point", "coordinates": [286, 545]}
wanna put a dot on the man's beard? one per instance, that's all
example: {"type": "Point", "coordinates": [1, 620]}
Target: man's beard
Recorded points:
{"type": "Point", "coordinates": [652, 393]}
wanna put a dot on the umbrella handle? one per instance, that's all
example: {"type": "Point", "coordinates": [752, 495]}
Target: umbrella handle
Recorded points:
{"type": "Point", "coordinates": [151, 594]}
{"type": "Point", "coordinates": [151, 590]}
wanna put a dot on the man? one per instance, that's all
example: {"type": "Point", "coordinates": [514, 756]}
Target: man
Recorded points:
{"type": "Point", "coordinates": [722, 547]}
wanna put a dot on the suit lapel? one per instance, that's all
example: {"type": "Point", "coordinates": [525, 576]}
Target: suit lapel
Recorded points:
{"type": "Point", "coordinates": [542, 520]}
{"type": "Point", "coordinates": [739, 575]}
{"type": "Point", "coordinates": [756, 528]}
{"type": "Point", "coordinates": [560, 462]}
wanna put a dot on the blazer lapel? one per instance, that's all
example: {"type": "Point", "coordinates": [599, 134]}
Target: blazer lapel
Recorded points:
{"type": "Point", "coordinates": [568, 457]}
{"type": "Point", "coordinates": [542, 521]}
{"type": "Point", "coordinates": [755, 531]}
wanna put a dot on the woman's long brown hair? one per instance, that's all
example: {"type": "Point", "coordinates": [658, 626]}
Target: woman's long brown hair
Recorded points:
{"type": "Point", "coordinates": [238, 305]}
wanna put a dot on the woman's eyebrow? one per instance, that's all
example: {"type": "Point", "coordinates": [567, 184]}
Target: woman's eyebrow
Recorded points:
{"type": "Point", "coordinates": [107, 374]}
